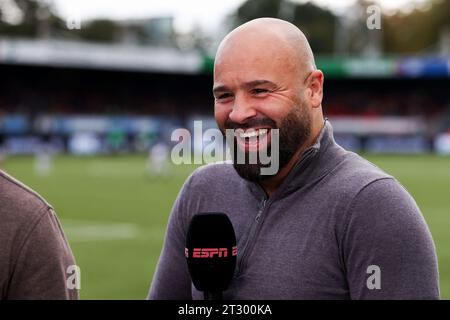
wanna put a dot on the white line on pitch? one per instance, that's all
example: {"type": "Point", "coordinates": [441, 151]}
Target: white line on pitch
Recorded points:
{"type": "Point", "coordinates": [84, 230]}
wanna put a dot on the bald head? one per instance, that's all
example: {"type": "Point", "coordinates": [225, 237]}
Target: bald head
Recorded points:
{"type": "Point", "coordinates": [273, 38]}
{"type": "Point", "coordinates": [265, 78]}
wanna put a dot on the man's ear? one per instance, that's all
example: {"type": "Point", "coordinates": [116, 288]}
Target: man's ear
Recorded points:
{"type": "Point", "coordinates": [315, 85]}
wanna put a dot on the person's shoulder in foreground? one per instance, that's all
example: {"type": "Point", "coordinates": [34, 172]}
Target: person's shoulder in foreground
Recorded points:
{"type": "Point", "coordinates": [34, 252]}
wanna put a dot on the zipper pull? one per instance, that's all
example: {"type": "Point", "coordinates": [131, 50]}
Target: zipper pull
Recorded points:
{"type": "Point", "coordinates": [263, 205]}
{"type": "Point", "coordinates": [258, 216]}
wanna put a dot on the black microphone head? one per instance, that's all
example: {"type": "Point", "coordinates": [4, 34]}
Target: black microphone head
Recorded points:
{"type": "Point", "coordinates": [211, 251]}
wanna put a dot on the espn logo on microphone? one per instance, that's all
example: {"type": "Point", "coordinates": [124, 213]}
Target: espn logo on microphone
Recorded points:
{"type": "Point", "coordinates": [210, 252]}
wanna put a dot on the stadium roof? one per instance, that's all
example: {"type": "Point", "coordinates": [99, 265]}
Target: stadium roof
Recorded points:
{"type": "Point", "coordinates": [59, 53]}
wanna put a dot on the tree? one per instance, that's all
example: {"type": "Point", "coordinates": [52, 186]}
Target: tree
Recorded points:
{"type": "Point", "coordinates": [36, 18]}
{"type": "Point", "coordinates": [317, 23]}
{"type": "Point", "coordinates": [419, 31]}
{"type": "Point", "coordinates": [99, 31]}
{"type": "Point", "coordinates": [252, 9]}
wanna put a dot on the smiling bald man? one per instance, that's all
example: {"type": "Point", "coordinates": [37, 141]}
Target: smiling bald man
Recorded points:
{"type": "Point", "coordinates": [328, 224]}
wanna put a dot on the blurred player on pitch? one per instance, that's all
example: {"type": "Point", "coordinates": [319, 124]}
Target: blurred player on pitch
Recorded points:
{"type": "Point", "coordinates": [157, 159]}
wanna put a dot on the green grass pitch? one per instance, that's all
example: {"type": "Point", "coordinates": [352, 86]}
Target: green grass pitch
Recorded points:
{"type": "Point", "coordinates": [115, 215]}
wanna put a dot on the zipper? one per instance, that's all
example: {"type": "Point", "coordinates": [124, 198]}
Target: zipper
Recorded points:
{"type": "Point", "coordinates": [259, 218]}
{"type": "Point", "coordinates": [254, 230]}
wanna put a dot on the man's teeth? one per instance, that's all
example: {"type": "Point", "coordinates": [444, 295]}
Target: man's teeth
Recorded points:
{"type": "Point", "coordinates": [253, 133]}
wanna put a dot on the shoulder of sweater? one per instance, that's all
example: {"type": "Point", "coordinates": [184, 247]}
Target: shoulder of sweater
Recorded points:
{"type": "Point", "coordinates": [18, 199]}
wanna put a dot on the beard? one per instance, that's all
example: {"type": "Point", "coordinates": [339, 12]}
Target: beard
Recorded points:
{"type": "Point", "coordinates": [294, 132]}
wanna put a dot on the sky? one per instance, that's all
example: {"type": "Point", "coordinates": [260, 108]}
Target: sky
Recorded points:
{"type": "Point", "coordinates": [187, 13]}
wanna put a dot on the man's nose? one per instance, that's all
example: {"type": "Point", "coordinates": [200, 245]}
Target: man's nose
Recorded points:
{"type": "Point", "coordinates": [242, 111]}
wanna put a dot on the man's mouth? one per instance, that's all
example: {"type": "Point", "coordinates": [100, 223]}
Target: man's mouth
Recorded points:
{"type": "Point", "coordinates": [253, 139]}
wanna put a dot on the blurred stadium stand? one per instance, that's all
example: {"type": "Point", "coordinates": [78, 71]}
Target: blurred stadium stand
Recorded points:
{"type": "Point", "coordinates": [121, 86]}
{"type": "Point", "coordinates": [70, 92]}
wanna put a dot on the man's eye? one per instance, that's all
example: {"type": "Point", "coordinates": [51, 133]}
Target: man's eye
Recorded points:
{"type": "Point", "coordinates": [223, 96]}
{"type": "Point", "coordinates": [259, 91]}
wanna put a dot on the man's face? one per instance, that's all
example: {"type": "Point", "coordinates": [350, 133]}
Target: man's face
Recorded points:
{"type": "Point", "coordinates": [258, 89]}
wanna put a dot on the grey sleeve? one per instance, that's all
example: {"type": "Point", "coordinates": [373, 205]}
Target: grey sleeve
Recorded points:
{"type": "Point", "coordinates": [171, 280]}
{"type": "Point", "coordinates": [387, 247]}
{"type": "Point", "coordinates": [42, 262]}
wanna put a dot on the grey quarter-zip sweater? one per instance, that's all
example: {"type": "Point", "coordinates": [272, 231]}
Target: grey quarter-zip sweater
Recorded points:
{"type": "Point", "coordinates": [338, 227]}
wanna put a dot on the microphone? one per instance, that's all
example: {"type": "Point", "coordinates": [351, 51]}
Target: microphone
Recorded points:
{"type": "Point", "coordinates": [211, 253]}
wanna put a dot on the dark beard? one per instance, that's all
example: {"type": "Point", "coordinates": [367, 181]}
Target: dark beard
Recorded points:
{"type": "Point", "coordinates": [294, 132]}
